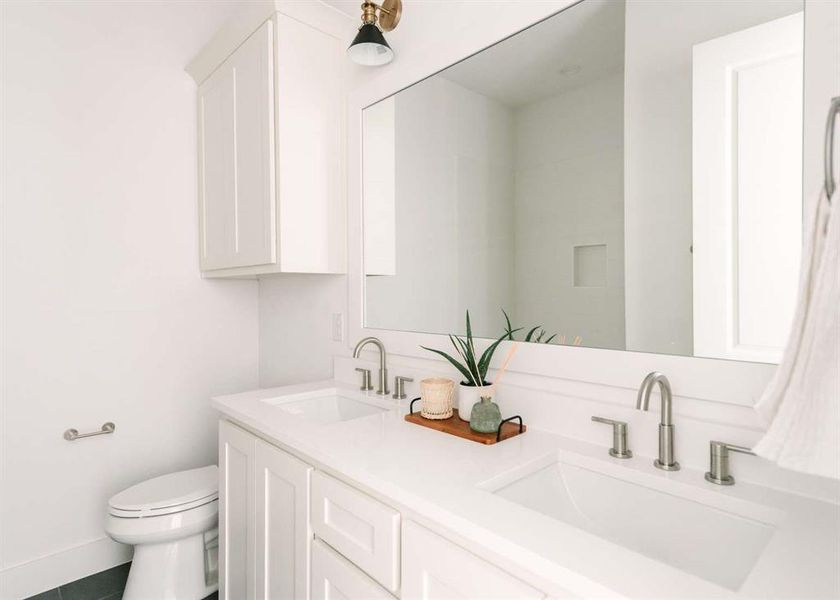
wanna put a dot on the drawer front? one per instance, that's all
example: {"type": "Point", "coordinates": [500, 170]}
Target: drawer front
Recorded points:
{"type": "Point", "coordinates": [433, 568]}
{"type": "Point", "coordinates": [363, 529]}
{"type": "Point", "coordinates": [334, 577]}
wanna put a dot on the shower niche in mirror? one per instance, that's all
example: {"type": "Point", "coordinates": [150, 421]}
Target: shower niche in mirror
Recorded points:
{"type": "Point", "coordinates": [606, 179]}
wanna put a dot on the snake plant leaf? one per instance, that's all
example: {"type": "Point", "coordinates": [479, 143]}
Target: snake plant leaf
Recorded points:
{"type": "Point", "coordinates": [508, 326]}
{"type": "Point", "coordinates": [454, 362]}
{"type": "Point", "coordinates": [459, 347]}
{"type": "Point", "coordinates": [470, 346]}
{"type": "Point", "coordinates": [487, 356]}
{"type": "Point", "coordinates": [469, 340]}
{"type": "Point", "coordinates": [530, 334]}
{"type": "Point", "coordinates": [466, 355]}
{"type": "Point", "coordinates": [469, 358]}
{"type": "Point", "coordinates": [468, 351]}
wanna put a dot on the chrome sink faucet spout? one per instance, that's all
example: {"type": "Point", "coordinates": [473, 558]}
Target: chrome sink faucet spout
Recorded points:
{"type": "Point", "coordinates": [382, 388]}
{"type": "Point", "coordinates": [666, 460]}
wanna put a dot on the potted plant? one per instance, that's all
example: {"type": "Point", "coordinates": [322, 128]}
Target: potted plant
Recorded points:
{"type": "Point", "coordinates": [473, 369]}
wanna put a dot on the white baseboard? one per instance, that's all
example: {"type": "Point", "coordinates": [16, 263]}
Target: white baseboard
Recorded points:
{"type": "Point", "coordinates": [45, 573]}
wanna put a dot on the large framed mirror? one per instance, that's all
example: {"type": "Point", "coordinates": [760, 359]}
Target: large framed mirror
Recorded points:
{"type": "Point", "coordinates": [597, 180]}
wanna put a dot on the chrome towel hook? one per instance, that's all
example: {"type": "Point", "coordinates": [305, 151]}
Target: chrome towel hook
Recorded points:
{"type": "Point", "coordinates": [73, 434]}
{"type": "Point", "coordinates": [830, 182]}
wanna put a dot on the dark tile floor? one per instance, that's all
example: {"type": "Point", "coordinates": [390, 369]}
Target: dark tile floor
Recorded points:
{"type": "Point", "coordinates": [107, 585]}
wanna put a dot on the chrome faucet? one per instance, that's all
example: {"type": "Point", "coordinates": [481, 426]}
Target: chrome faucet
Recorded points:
{"type": "Point", "coordinates": [666, 460]}
{"type": "Point", "coordinates": [382, 389]}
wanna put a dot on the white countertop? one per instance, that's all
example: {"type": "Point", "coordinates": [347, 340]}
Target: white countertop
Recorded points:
{"type": "Point", "coordinates": [437, 478]}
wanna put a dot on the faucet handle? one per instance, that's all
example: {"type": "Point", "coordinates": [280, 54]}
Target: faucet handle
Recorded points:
{"type": "Point", "coordinates": [399, 385]}
{"type": "Point", "coordinates": [719, 462]}
{"type": "Point", "coordinates": [619, 448]}
{"type": "Point", "coordinates": [366, 382]}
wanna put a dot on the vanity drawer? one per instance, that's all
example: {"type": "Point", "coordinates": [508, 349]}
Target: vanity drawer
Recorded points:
{"type": "Point", "coordinates": [435, 568]}
{"type": "Point", "coordinates": [363, 529]}
{"type": "Point", "coordinates": [333, 576]}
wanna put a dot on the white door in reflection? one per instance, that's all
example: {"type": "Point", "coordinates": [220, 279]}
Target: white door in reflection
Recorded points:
{"type": "Point", "coordinates": [747, 180]}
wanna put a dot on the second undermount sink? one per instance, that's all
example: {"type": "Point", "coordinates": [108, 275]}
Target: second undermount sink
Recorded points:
{"type": "Point", "coordinates": [714, 537]}
{"type": "Point", "coordinates": [324, 407]}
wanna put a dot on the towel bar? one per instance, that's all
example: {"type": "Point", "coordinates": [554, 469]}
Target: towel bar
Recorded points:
{"type": "Point", "coordinates": [73, 434]}
{"type": "Point", "coordinates": [830, 182]}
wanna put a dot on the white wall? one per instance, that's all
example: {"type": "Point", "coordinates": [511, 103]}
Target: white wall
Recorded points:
{"type": "Point", "coordinates": [105, 317]}
{"type": "Point", "coordinates": [569, 192]}
{"type": "Point", "coordinates": [658, 275]}
{"type": "Point", "coordinates": [454, 201]}
{"type": "Point", "coordinates": [296, 333]}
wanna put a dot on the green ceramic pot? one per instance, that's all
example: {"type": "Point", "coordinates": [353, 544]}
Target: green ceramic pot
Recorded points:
{"type": "Point", "coordinates": [485, 416]}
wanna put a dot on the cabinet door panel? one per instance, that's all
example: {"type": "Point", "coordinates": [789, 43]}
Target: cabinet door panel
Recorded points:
{"type": "Point", "coordinates": [236, 513]}
{"type": "Point", "coordinates": [283, 534]}
{"type": "Point", "coordinates": [336, 578]}
{"type": "Point", "coordinates": [236, 158]}
{"type": "Point", "coordinates": [216, 164]}
{"type": "Point", "coordinates": [253, 70]}
{"type": "Point", "coordinates": [433, 568]}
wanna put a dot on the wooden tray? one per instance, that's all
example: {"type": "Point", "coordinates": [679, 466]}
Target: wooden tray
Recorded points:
{"type": "Point", "coordinates": [455, 426]}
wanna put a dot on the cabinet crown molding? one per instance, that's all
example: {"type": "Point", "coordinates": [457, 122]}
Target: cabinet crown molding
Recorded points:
{"type": "Point", "coordinates": [253, 14]}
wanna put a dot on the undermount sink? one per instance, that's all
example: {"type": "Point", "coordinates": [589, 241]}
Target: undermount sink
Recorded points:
{"type": "Point", "coordinates": [324, 407]}
{"type": "Point", "coordinates": [715, 537]}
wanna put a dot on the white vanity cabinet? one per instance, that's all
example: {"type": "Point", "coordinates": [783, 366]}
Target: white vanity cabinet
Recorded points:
{"type": "Point", "coordinates": [264, 535]}
{"type": "Point", "coordinates": [433, 568]}
{"type": "Point", "coordinates": [290, 532]}
{"type": "Point", "coordinates": [270, 127]}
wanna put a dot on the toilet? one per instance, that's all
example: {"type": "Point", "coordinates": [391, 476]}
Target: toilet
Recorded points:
{"type": "Point", "coordinates": [172, 522]}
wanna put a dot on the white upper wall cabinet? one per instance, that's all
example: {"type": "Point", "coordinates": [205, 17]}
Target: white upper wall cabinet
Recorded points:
{"type": "Point", "coordinates": [236, 158]}
{"type": "Point", "coordinates": [270, 130]}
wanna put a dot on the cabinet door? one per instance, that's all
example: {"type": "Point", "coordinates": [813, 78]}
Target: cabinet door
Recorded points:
{"type": "Point", "coordinates": [236, 158]}
{"type": "Point", "coordinates": [236, 513]}
{"type": "Point", "coordinates": [309, 133]}
{"type": "Point", "coordinates": [434, 568]}
{"type": "Point", "coordinates": [333, 576]}
{"type": "Point", "coordinates": [283, 533]}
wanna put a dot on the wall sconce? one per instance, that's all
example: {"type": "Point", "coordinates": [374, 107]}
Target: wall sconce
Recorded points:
{"type": "Point", "coordinates": [369, 47]}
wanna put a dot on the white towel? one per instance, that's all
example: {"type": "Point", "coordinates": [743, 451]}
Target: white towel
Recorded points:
{"type": "Point", "coordinates": [802, 402]}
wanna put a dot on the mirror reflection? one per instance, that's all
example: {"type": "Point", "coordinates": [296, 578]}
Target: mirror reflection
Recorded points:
{"type": "Point", "coordinates": [598, 180]}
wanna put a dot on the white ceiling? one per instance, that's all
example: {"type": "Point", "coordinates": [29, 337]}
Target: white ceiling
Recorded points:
{"type": "Point", "coordinates": [569, 50]}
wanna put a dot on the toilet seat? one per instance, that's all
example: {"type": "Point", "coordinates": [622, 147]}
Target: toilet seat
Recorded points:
{"type": "Point", "coordinates": [167, 494]}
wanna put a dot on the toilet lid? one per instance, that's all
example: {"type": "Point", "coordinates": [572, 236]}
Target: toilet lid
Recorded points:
{"type": "Point", "coordinates": [174, 492]}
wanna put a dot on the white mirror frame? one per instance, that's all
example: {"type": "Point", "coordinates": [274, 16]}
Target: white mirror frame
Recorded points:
{"type": "Point", "coordinates": [694, 379]}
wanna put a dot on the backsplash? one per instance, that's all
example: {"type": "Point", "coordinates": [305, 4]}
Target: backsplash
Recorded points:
{"type": "Point", "coordinates": [565, 407]}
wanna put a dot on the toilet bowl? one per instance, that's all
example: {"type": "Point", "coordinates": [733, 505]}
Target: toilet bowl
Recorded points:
{"type": "Point", "coordinates": [172, 522]}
